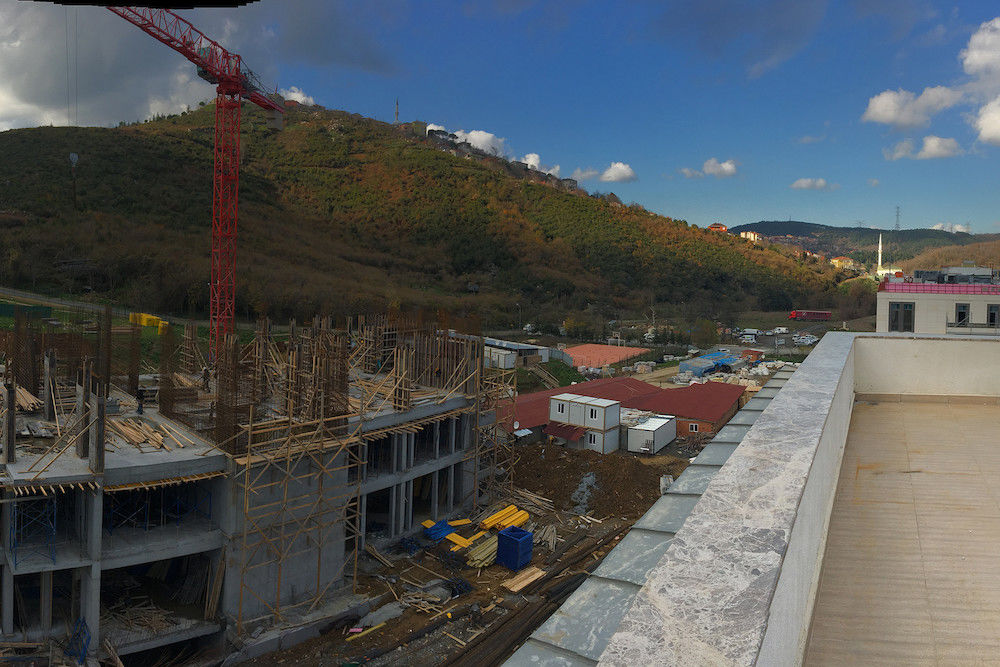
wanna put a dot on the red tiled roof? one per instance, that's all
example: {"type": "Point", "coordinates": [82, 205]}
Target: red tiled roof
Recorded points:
{"type": "Point", "coordinates": [564, 431]}
{"type": "Point", "coordinates": [704, 402]}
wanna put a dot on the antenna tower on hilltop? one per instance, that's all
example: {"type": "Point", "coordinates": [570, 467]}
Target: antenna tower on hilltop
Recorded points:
{"type": "Point", "coordinates": [897, 218]}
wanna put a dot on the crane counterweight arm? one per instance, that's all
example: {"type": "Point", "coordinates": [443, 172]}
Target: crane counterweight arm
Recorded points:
{"type": "Point", "coordinates": [215, 63]}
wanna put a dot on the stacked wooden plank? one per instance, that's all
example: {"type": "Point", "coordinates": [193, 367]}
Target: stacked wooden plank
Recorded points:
{"type": "Point", "coordinates": [137, 432]}
{"type": "Point", "coordinates": [483, 554]}
{"type": "Point", "coordinates": [531, 501]}
{"type": "Point", "coordinates": [25, 401]}
{"type": "Point", "coordinates": [546, 536]}
{"type": "Point", "coordinates": [523, 578]}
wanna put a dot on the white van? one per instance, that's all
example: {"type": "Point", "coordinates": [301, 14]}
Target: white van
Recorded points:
{"type": "Point", "coordinates": [748, 339]}
{"type": "Point", "coordinates": [780, 330]}
{"type": "Point", "coordinates": [751, 332]}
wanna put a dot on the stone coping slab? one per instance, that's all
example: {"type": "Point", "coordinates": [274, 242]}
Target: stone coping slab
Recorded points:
{"type": "Point", "coordinates": [707, 600]}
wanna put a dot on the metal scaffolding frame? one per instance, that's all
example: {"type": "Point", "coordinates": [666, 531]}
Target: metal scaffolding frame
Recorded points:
{"type": "Point", "coordinates": [33, 529]}
{"type": "Point", "coordinates": [299, 456]}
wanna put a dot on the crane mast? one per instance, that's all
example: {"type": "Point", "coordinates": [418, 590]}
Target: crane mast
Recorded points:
{"type": "Point", "coordinates": [233, 82]}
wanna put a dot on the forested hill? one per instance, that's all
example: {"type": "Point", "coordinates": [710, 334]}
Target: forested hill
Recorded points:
{"type": "Point", "coordinates": [859, 243]}
{"type": "Point", "coordinates": [340, 213]}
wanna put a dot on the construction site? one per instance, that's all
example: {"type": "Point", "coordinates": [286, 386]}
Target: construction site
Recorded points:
{"type": "Point", "coordinates": [150, 502]}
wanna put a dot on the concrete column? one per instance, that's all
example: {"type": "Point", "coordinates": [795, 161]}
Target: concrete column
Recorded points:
{"type": "Point", "coordinates": [9, 422]}
{"type": "Point", "coordinates": [97, 410]}
{"type": "Point", "coordinates": [437, 439]}
{"type": "Point", "coordinates": [392, 510]}
{"type": "Point", "coordinates": [434, 495]}
{"type": "Point", "coordinates": [45, 601]}
{"type": "Point", "coordinates": [451, 435]}
{"type": "Point", "coordinates": [364, 461]}
{"type": "Point", "coordinates": [7, 602]}
{"type": "Point", "coordinates": [93, 514]}
{"type": "Point", "coordinates": [401, 508]}
{"type": "Point", "coordinates": [411, 448]}
{"type": "Point", "coordinates": [394, 448]}
{"type": "Point", "coordinates": [409, 505]}
{"type": "Point", "coordinates": [50, 383]}
{"type": "Point", "coordinates": [83, 409]}
{"type": "Point", "coordinates": [90, 602]}
{"type": "Point", "coordinates": [451, 489]}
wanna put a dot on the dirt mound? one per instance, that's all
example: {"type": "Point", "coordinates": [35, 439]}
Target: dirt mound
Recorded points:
{"type": "Point", "coordinates": [626, 486]}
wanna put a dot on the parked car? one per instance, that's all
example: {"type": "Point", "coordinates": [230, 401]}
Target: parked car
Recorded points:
{"type": "Point", "coordinates": [769, 332]}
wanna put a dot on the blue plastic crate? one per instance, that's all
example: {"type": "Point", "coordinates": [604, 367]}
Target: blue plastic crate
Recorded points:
{"type": "Point", "coordinates": [514, 548]}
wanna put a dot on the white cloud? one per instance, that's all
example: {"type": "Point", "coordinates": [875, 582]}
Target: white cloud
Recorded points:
{"type": "Point", "coordinates": [982, 55]}
{"type": "Point", "coordinates": [987, 122]}
{"type": "Point", "coordinates": [619, 172]}
{"type": "Point", "coordinates": [585, 174]}
{"type": "Point", "coordinates": [713, 167]}
{"type": "Point", "coordinates": [433, 127]}
{"type": "Point", "coordinates": [534, 161]}
{"type": "Point", "coordinates": [938, 147]}
{"type": "Point", "coordinates": [484, 141]}
{"type": "Point", "coordinates": [810, 139]}
{"type": "Point", "coordinates": [295, 93]}
{"type": "Point", "coordinates": [933, 147]}
{"type": "Point", "coordinates": [813, 184]}
{"type": "Point", "coordinates": [951, 227]}
{"type": "Point", "coordinates": [902, 109]}
{"type": "Point", "coordinates": [873, 182]}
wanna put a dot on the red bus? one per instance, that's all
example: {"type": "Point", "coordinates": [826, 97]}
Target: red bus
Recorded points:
{"type": "Point", "coordinates": [809, 315]}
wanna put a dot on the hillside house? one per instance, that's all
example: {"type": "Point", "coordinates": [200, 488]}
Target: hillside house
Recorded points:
{"type": "Point", "coordinates": [844, 262]}
{"type": "Point", "coordinates": [718, 227]}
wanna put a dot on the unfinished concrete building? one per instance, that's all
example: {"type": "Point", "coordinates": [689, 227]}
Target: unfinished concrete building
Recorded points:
{"type": "Point", "coordinates": [144, 509]}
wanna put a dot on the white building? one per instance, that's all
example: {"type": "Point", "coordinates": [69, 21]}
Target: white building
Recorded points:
{"type": "Point", "coordinates": [956, 302]}
{"type": "Point", "coordinates": [649, 434]}
{"type": "Point", "coordinates": [584, 422]}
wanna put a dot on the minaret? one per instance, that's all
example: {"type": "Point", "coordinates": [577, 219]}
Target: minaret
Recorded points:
{"type": "Point", "coordinates": [879, 269]}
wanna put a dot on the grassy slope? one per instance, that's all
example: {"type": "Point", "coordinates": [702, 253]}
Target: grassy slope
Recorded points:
{"type": "Point", "coordinates": [861, 243]}
{"type": "Point", "coordinates": [340, 213]}
{"type": "Point", "coordinates": [983, 254]}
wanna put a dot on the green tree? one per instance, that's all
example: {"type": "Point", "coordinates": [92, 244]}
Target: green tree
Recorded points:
{"type": "Point", "coordinates": [704, 333]}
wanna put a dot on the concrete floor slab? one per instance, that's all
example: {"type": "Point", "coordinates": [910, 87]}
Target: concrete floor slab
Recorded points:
{"type": "Point", "coordinates": [910, 574]}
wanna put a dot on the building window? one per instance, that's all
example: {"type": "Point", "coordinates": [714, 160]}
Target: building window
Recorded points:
{"type": "Point", "coordinates": [993, 314]}
{"type": "Point", "coordinates": [900, 316]}
{"type": "Point", "coordinates": [692, 428]}
{"type": "Point", "coordinates": [962, 314]}
{"type": "Point", "coordinates": [561, 408]}
{"type": "Point", "coordinates": [591, 439]}
{"type": "Point", "coordinates": [593, 413]}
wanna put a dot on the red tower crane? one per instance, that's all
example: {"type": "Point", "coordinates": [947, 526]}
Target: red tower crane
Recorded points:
{"type": "Point", "coordinates": [233, 83]}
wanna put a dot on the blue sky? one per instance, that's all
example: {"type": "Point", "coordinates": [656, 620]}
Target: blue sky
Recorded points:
{"type": "Point", "coordinates": [716, 109]}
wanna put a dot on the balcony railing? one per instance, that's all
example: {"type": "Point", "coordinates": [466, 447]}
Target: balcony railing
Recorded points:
{"type": "Point", "coordinates": [973, 328]}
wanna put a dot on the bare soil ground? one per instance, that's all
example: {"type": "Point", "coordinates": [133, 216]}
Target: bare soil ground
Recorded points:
{"type": "Point", "coordinates": [627, 485]}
